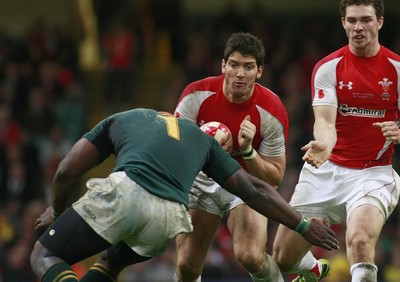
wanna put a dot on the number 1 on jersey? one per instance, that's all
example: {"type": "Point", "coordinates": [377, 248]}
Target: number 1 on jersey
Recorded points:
{"type": "Point", "coordinates": [172, 126]}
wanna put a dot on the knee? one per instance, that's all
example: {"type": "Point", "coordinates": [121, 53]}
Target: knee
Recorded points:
{"type": "Point", "coordinates": [283, 259]}
{"type": "Point", "coordinates": [361, 246]}
{"type": "Point", "coordinates": [253, 262]}
{"type": "Point", "coordinates": [36, 259]}
{"type": "Point", "coordinates": [187, 270]}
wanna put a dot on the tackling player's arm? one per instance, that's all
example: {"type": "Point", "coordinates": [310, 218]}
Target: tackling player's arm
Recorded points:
{"type": "Point", "coordinates": [263, 198]}
{"type": "Point", "coordinates": [81, 158]}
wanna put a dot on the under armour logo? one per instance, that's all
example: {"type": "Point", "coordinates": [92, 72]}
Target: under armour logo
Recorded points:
{"type": "Point", "coordinates": [348, 85]}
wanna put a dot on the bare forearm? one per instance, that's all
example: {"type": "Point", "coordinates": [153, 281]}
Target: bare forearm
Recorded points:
{"type": "Point", "coordinates": [270, 170]}
{"type": "Point", "coordinates": [82, 157]}
{"type": "Point", "coordinates": [263, 198]}
{"type": "Point", "coordinates": [62, 193]}
{"type": "Point", "coordinates": [325, 132]}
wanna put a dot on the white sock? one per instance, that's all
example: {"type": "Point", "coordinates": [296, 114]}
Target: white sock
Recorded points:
{"type": "Point", "coordinates": [176, 279]}
{"type": "Point", "coordinates": [306, 264]}
{"type": "Point", "coordinates": [364, 271]}
{"type": "Point", "coordinates": [270, 273]}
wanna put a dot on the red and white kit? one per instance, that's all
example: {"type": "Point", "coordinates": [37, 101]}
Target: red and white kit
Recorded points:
{"type": "Point", "coordinates": [204, 101]}
{"type": "Point", "coordinates": [365, 90]}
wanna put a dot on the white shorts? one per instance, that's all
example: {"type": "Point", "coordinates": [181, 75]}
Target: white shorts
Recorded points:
{"type": "Point", "coordinates": [332, 191]}
{"type": "Point", "coordinates": [118, 209]}
{"type": "Point", "coordinates": [208, 196]}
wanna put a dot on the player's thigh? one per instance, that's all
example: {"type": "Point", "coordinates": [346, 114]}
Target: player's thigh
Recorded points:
{"type": "Point", "coordinates": [72, 239]}
{"type": "Point", "coordinates": [119, 256]}
{"type": "Point", "coordinates": [288, 248]}
{"type": "Point", "coordinates": [248, 229]}
{"type": "Point", "coordinates": [363, 229]}
{"type": "Point", "coordinates": [192, 247]}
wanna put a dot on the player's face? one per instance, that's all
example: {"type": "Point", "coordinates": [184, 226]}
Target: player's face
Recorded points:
{"type": "Point", "coordinates": [362, 28]}
{"type": "Point", "coordinates": [240, 73]}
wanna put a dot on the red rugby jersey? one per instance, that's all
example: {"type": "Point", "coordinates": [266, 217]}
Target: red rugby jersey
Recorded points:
{"type": "Point", "coordinates": [364, 90]}
{"type": "Point", "coordinates": [203, 101]}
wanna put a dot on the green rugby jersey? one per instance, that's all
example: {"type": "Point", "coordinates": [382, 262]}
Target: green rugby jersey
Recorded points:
{"type": "Point", "coordinates": [160, 152]}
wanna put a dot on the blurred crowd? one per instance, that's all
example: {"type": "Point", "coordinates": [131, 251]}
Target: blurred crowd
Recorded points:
{"type": "Point", "coordinates": [42, 113]}
{"type": "Point", "coordinates": [44, 110]}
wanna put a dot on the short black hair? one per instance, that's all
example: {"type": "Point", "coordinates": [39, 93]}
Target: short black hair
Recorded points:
{"type": "Point", "coordinates": [246, 44]}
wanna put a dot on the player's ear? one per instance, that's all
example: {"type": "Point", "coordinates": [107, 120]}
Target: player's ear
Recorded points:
{"type": "Point", "coordinates": [380, 23]}
{"type": "Point", "coordinates": [259, 72]}
{"type": "Point", "coordinates": [223, 64]}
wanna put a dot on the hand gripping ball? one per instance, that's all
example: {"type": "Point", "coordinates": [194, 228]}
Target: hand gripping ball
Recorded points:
{"type": "Point", "coordinates": [216, 129]}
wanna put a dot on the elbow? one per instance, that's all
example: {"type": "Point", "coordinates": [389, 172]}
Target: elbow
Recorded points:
{"type": "Point", "coordinates": [275, 183]}
{"type": "Point", "coordinates": [64, 175]}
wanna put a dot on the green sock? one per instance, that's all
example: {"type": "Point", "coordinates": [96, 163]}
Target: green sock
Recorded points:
{"type": "Point", "coordinates": [60, 272]}
{"type": "Point", "coordinates": [98, 273]}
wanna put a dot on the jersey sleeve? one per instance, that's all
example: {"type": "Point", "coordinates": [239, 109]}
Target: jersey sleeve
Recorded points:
{"type": "Point", "coordinates": [187, 108]}
{"type": "Point", "coordinates": [99, 137]}
{"type": "Point", "coordinates": [193, 97]}
{"type": "Point", "coordinates": [274, 130]}
{"type": "Point", "coordinates": [324, 84]}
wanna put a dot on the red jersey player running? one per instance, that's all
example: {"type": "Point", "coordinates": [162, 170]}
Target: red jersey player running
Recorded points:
{"type": "Point", "coordinates": [259, 125]}
{"type": "Point", "coordinates": [348, 171]}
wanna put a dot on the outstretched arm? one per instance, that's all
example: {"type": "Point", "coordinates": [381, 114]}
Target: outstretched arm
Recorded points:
{"type": "Point", "coordinates": [319, 150]}
{"type": "Point", "coordinates": [263, 198]}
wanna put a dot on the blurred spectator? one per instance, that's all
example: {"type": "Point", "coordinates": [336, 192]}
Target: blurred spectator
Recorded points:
{"type": "Point", "coordinates": [71, 111]}
{"type": "Point", "coordinates": [10, 130]}
{"type": "Point", "coordinates": [53, 149]}
{"type": "Point", "coordinates": [40, 99]}
{"type": "Point", "coordinates": [199, 61]}
{"type": "Point", "coordinates": [168, 31]}
{"type": "Point", "coordinates": [40, 116]}
{"type": "Point", "coordinates": [14, 263]}
{"type": "Point", "coordinates": [119, 45]}
{"type": "Point", "coordinates": [49, 81]}
{"type": "Point", "coordinates": [17, 267]}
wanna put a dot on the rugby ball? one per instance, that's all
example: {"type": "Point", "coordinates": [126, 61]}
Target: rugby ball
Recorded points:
{"type": "Point", "coordinates": [216, 129]}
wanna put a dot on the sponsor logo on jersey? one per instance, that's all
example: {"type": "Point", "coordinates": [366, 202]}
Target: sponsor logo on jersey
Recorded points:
{"type": "Point", "coordinates": [345, 110]}
{"type": "Point", "coordinates": [348, 85]}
